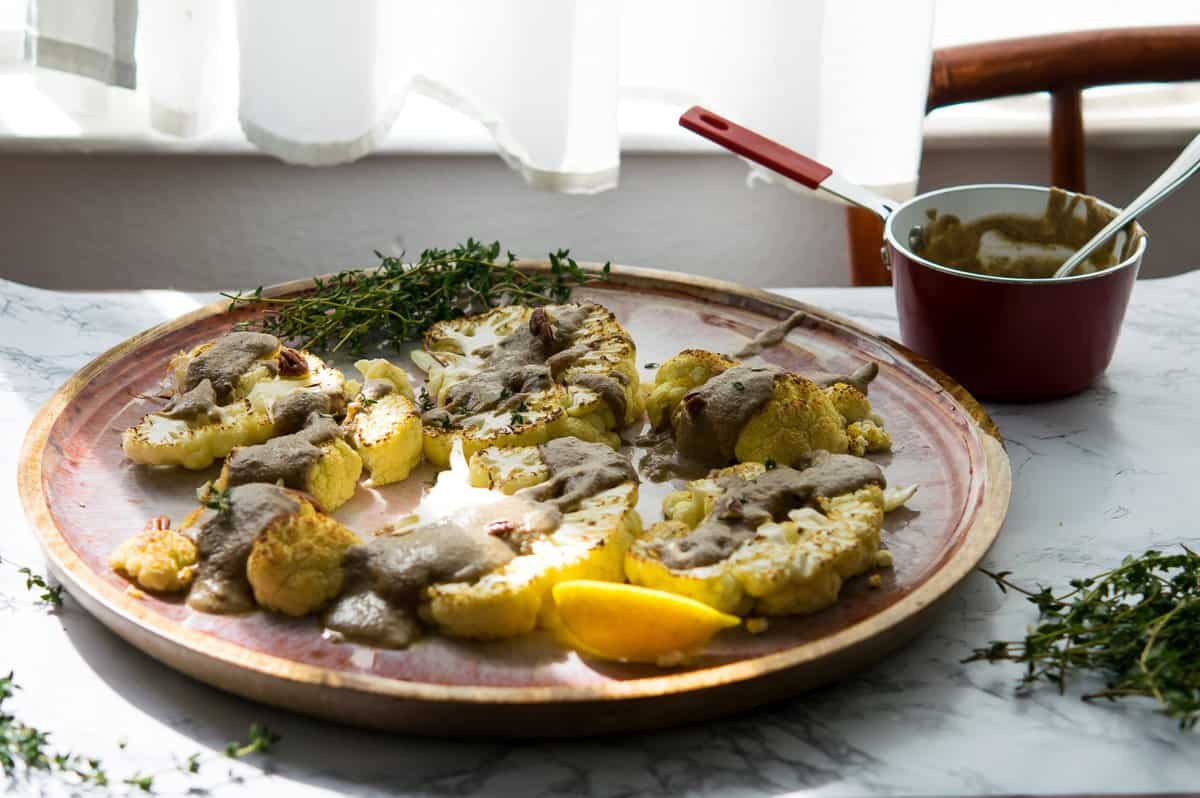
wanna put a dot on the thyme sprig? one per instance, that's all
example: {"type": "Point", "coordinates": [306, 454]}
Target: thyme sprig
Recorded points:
{"type": "Point", "coordinates": [26, 750]}
{"type": "Point", "coordinates": [398, 302]}
{"type": "Point", "coordinates": [1137, 625]}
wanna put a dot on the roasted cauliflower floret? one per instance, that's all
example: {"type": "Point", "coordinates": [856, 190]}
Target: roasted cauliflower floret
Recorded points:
{"type": "Point", "coordinates": [295, 564]}
{"type": "Point", "coordinates": [315, 460]}
{"type": "Point", "coordinates": [757, 550]}
{"type": "Point", "coordinates": [720, 411]}
{"type": "Point", "coordinates": [798, 419]}
{"type": "Point", "coordinates": [159, 558]}
{"type": "Point", "coordinates": [519, 376]}
{"type": "Point", "coordinates": [867, 436]}
{"type": "Point", "coordinates": [196, 428]}
{"type": "Point", "coordinates": [387, 373]}
{"type": "Point", "coordinates": [690, 369]}
{"type": "Point", "coordinates": [383, 424]}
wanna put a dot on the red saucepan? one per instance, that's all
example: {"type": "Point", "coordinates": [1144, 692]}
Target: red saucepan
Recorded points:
{"type": "Point", "coordinates": [1004, 338]}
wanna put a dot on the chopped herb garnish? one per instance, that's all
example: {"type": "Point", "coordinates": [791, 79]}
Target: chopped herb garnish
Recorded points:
{"type": "Point", "coordinates": [770, 464]}
{"type": "Point", "coordinates": [425, 400]}
{"type": "Point", "coordinates": [217, 500]}
{"type": "Point", "coordinates": [650, 366]}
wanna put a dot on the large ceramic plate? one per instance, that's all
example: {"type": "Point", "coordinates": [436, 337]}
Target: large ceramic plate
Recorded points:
{"type": "Point", "coordinates": [83, 498]}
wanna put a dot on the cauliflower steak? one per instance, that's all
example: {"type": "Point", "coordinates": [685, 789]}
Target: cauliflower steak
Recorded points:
{"type": "Point", "coordinates": [529, 518]}
{"type": "Point", "coordinates": [769, 541]}
{"type": "Point", "coordinates": [519, 376]}
{"type": "Point", "coordinates": [241, 389]}
{"type": "Point", "coordinates": [315, 459]}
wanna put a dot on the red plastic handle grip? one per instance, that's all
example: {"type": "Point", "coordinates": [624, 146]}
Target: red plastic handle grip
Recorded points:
{"type": "Point", "coordinates": [759, 149]}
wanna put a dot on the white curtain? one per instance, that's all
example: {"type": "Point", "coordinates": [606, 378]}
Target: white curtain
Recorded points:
{"type": "Point", "coordinates": [555, 82]}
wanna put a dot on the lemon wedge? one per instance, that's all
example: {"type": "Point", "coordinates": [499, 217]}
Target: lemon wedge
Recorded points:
{"type": "Point", "coordinates": [611, 620]}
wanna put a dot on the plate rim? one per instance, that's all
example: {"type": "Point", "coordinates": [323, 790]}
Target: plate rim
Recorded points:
{"type": "Point", "coordinates": [112, 606]}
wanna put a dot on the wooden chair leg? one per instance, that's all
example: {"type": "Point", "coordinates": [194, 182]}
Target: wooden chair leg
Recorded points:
{"type": "Point", "coordinates": [1066, 140]}
{"type": "Point", "coordinates": [865, 237]}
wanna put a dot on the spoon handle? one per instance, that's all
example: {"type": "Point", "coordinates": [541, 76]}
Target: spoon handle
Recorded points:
{"type": "Point", "coordinates": [1172, 178]}
{"type": "Point", "coordinates": [780, 159]}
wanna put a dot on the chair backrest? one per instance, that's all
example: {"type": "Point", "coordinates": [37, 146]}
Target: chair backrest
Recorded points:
{"type": "Point", "coordinates": [1062, 64]}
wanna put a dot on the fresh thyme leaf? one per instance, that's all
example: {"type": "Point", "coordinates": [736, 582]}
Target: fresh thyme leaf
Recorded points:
{"type": "Point", "coordinates": [261, 740]}
{"type": "Point", "coordinates": [1137, 625]}
{"type": "Point", "coordinates": [217, 499]}
{"type": "Point", "coordinates": [425, 400]}
{"type": "Point", "coordinates": [395, 302]}
{"type": "Point", "coordinates": [25, 750]}
{"type": "Point", "coordinates": [650, 366]}
{"type": "Point", "coordinates": [36, 583]}
{"type": "Point", "coordinates": [770, 464]}
{"type": "Point", "coordinates": [143, 783]}
{"type": "Point", "coordinates": [516, 419]}
{"type": "Point", "coordinates": [739, 387]}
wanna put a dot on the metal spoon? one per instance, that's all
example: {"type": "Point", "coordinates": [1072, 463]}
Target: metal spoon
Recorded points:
{"type": "Point", "coordinates": [1172, 178]}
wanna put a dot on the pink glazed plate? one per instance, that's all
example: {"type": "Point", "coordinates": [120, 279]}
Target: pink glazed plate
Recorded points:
{"type": "Point", "coordinates": [83, 497]}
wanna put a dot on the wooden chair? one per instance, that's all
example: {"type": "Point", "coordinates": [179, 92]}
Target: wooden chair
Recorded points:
{"type": "Point", "coordinates": [1063, 64]}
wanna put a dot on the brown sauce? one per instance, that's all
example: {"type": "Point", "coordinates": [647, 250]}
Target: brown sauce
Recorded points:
{"type": "Point", "coordinates": [861, 378]}
{"type": "Point", "coordinates": [578, 471]}
{"type": "Point", "coordinates": [288, 458]}
{"type": "Point", "coordinates": [949, 241]}
{"type": "Point", "coordinates": [514, 368]}
{"type": "Point", "coordinates": [610, 389]}
{"type": "Point", "coordinates": [713, 415]}
{"type": "Point", "coordinates": [661, 459]}
{"type": "Point", "coordinates": [746, 504]}
{"type": "Point", "coordinates": [377, 389]}
{"type": "Point", "coordinates": [224, 541]}
{"type": "Point", "coordinates": [227, 359]}
{"type": "Point", "coordinates": [771, 336]}
{"type": "Point", "coordinates": [291, 412]}
{"type": "Point", "coordinates": [198, 404]}
{"type": "Point", "coordinates": [386, 576]}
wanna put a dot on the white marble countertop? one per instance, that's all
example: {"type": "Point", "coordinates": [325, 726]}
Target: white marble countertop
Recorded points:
{"type": "Point", "coordinates": [1097, 476]}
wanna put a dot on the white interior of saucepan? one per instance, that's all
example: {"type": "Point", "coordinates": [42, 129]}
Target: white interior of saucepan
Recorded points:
{"type": "Point", "coordinates": [973, 201]}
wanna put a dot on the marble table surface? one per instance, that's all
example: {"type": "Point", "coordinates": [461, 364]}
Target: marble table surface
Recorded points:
{"type": "Point", "coordinates": [1096, 476]}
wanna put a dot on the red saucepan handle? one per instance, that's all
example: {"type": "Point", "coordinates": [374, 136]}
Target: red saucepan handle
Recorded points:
{"type": "Point", "coordinates": [759, 149]}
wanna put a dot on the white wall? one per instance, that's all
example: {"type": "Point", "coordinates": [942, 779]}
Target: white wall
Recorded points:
{"type": "Point", "coordinates": [209, 222]}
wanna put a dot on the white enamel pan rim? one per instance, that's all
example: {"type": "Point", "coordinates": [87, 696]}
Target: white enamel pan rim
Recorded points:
{"type": "Point", "coordinates": [894, 240]}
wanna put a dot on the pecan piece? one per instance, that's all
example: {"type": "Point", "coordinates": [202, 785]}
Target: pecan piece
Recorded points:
{"type": "Point", "coordinates": [159, 522]}
{"type": "Point", "coordinates": [501, 528]}
{"type": "Point", "coordinates": [291, 363]}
